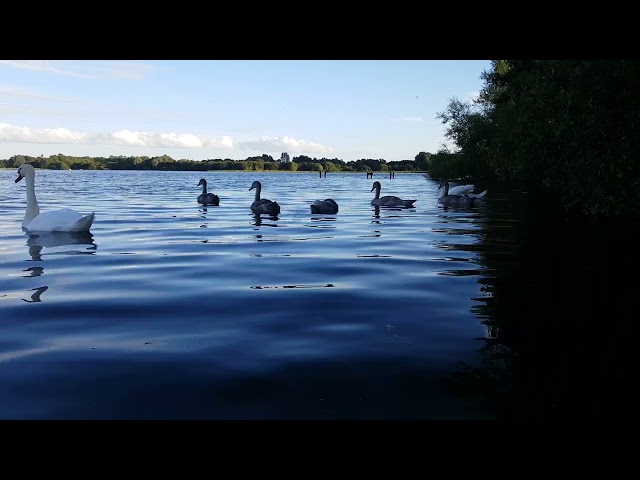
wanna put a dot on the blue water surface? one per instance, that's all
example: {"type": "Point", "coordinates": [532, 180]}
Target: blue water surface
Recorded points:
{"type": "Point", "coordinates": [171, 310]}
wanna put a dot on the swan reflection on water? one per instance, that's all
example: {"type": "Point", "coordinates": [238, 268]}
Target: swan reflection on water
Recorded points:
{"type": "Point", "coordinates": [376, 212]}
{"type": "Point", "coordinates": [35, 297]}
{"type": "Point", "coordinates": [74, 243]}
{"type": "Point", "coordinates": [257, 220]}
{"type": "Point", "coordinates": [316, 218]}
{"type": "Point", "coordinates": [35, 271]}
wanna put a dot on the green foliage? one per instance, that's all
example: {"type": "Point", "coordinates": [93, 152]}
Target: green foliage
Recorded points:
{"type": "Point", "coordinates": [271, 166]}
{"type": "Point", "coordinates": [422, 160]}
{"type": "Point", "coordinates": [445, 165]}
{"type": "Point", "coordinates": [407, 165]}
{"type": "Point", "coordinates": [166, 163]}
{"type": "Point", "coordinates": [471, 130]}
{"type": "Point", "coordinates": [570, 126]}
{"type": "Point", "coordinates": [289, 166]}
{"type": "Point", "coordinates": [16, 161]}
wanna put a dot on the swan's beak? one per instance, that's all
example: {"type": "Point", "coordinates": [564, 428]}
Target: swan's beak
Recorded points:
{"type": "Point", "coordinates": [249, 189]}
{"type": "Point", "coordinates": [373, 188]}
{"type": "Point", "coordinates": [20, 177]}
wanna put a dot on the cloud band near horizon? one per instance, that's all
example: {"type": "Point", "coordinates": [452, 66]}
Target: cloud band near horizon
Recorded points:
{"type": "Point", "coordinates": [20, 134]}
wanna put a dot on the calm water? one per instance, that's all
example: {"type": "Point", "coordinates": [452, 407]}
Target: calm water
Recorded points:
{"type": "Point", "coordinates": [168, 310]}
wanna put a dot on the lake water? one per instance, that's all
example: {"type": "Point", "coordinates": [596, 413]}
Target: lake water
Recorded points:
{"type": "Point", "coordinates": [170, 310]}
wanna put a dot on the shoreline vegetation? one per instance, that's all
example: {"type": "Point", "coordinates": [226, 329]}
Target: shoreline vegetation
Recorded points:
{"type": "Point", "coordinates": [263, 163]}
{"type": "Point", "coordinates": [567, 130]}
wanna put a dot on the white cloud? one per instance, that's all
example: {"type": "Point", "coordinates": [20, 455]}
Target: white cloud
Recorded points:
{"type": "Point", "coordinates": [276, 144]}
{"type": "Point", "coordinates": [127, 137]}
{"type": "Point", "coordinates": [48, 66]}
{"type": "Point", "coordinates": [222, 143]}
{"type": "Point", "coordinates": [143, 139]}
{"type": "Point", "coordinates": [131, 138]}
{"type": "Point", "coordinates": [412, 119]}
{"type": "Point", "coordinates": [85, 69]}
{"type": "Point", "coordinates": [12, 133]}
{"type": "Point", "coordinates": [123, 70]}
{"type": "Point", "coordinates": [23, 93]}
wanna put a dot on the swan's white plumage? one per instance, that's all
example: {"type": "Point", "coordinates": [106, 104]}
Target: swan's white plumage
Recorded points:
{"type": "Point", "coordinates": [62, 220]}
{"type": "Point", "coordinates": [462, 190]}
{"type": "Point", "coordinates": [449, 200]}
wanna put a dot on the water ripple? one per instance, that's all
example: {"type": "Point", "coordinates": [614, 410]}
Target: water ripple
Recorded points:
{"type": "Point", "coordinates": [223, 313]}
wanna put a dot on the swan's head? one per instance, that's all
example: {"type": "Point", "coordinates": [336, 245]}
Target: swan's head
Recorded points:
{"type": "Point", "coordinates": [202, 182]}
{"type": "Point", "coordinates": [26, 170]}
{"type": "Point", "coordinates": [376, 185]}
{"type": "Point", "coordinates": [255, 184]}
{"type": "Point", "coordinates": [442, 184]}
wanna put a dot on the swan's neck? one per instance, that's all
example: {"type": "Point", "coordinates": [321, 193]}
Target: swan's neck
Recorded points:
{"type": "Point", "coordinates": [204, 188]}
{"type": "Point", "coordinates": [377, 193]}
{"type": "Point", "coordinates": [446, 189]}
{"type": "Point", "coordinates": [258, 193]}
{"type": "Point", "coordinates": [33, 210]}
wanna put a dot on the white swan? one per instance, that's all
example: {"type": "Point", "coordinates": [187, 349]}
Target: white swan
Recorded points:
{"type": "Point", "coordinates": [63, 220]}
{"type": "Point", "coordinates": [324, 206]}
{"type": "Point", "coordinates": [388, 200]}
{"type": "Point", "coordinates": [449, 200]}
{"type": "Point", "coordinates": [462, 190]}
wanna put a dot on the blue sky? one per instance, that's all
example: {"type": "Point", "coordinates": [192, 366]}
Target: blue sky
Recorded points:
{"type": "Point", "coordinates": [200, 109]}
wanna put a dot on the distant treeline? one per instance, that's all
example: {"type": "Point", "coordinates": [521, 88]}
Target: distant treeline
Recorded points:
{"type": "Point", "coordinates": [261, 163]}
{"type": "Point", "coordinates": [569, 127]}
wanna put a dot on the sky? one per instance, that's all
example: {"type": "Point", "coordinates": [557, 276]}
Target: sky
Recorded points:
{"type": "Point", "coordinates": [218, 109]}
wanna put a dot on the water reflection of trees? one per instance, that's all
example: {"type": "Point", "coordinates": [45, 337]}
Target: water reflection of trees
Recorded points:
{"type": "Point", "coordinates": [557, 305]}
